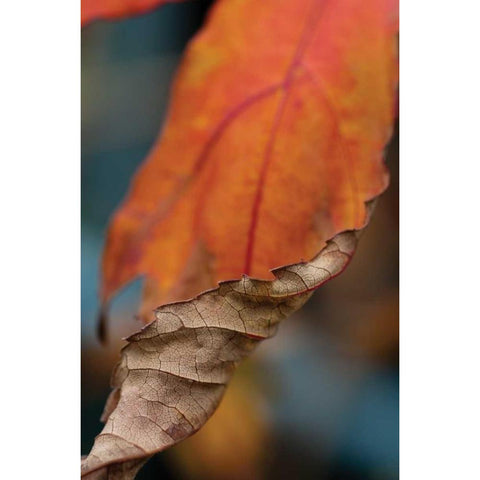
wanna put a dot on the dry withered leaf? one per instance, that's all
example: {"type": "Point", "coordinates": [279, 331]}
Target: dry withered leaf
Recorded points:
{"type": "Point", "coordinates": [173, 372]}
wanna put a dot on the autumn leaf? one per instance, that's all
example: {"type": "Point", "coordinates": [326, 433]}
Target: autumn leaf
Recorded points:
{"type": "Point", "coordinates": [117, 9]}
{"type": "Point", "coordinates": [173, 372]}
{"type": "Point", "coordinates": [272, 145]}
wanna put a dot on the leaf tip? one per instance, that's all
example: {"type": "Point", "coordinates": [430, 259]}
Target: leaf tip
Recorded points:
{"type": "Point", "coordinates": [102, 321]}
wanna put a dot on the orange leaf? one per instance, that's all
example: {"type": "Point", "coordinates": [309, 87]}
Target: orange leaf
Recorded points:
{"type": "Point", "coordinates": [117, 9]}
{"type": "Point", "coordinates": [273, 144]}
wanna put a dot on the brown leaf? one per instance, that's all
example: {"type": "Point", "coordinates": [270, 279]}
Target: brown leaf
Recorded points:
{"type": "Point", "coordinates": [173, 372]}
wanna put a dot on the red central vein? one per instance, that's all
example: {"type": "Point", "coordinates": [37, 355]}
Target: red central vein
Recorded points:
{"type": "Point", "coordinates": [261, 181]}
{"type": "Point", "coordinates": [307, 33]}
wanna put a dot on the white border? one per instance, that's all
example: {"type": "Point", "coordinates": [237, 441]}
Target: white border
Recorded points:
{"type": "Point", "coordinates": [40, 239]}
{"type": "Point", "coordinates": [439, 225]}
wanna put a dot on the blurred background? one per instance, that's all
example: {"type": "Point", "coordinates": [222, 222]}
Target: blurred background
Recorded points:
{"type": "Point", "coordinates": [318, 401]}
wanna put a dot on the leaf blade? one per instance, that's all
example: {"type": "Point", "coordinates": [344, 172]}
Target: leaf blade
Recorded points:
{"type": "Point", "coordinates": [297, 141]}
{"type": "Point", "coordinates": [330, 109]}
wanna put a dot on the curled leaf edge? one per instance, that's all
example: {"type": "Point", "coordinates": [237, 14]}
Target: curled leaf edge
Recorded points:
{"type": "Point", "coordinates": [369, 208]}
